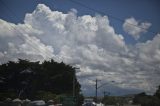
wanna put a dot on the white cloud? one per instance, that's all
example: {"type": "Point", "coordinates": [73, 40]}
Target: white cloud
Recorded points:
{"type": "Point", "coordinates": [17, 41]}
{"type": "Point", "coordinates": [85, 41]}
{"type": "Point", "coordinates": [6, 29]}
{"type": "Point", "coordinates": [135, 28]}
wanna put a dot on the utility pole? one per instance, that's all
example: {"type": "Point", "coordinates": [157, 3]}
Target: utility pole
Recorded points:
{"type": "Point", "coordinates": [96, 91]}
{"type": "Point", "coordinates": [74, 84]}
{"type": "Point", "coordinates": [97, 87]}
{"type": "Point", "coordinates": [104, 93]}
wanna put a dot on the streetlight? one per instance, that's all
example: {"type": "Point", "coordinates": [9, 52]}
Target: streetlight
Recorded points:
{"type": "Point", "coordinates": [97, 87]}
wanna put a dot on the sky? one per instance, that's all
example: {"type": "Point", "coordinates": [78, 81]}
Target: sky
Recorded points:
{"type": "Point", "coordinates": [116, 42]}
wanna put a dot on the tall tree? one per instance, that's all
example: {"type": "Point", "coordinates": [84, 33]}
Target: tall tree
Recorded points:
{"type": "Point", "coordinates": [26, 79]}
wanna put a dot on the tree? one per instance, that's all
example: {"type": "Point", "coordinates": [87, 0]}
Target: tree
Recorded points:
{"type": "Point", "coordinates": [26, 79]}
{"type": "Point", "coordinates": [109, 100]}
{"type": "Point", "coordinates": [157, 93]}
{"type": "Point", "coordinates": [80, 99]}
{"type": "Point", "coordinates": [146, 100]}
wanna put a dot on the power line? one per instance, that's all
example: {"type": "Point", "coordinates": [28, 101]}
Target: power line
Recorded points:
{"type": "Point", "coordinates": [42, 50]}
{"type": "Point", "coordinates": [73, 1]}
{"type": "Point", "coordinates": [111, 16]}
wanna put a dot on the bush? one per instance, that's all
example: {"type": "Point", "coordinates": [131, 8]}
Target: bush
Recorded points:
{"type": "Point", "coordinates": [44, 95]}
{"type": "Point", "coordinates": [5, 95]}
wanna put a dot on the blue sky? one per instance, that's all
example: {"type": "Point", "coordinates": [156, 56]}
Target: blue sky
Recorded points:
{"type": "Point", "coordinates": [142, 10]}
{"type": "Point", "coordinates": [108, 49]}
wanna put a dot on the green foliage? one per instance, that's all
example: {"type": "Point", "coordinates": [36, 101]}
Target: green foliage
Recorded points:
{"type": "Point", "coordinates": [59, 98]}
{"type": "Point", "coordinates": [112, 100]}
{"type": "Point", "coordinates": [157, 94]}
{"type": "Point", "coordinates": [31, 79]}
{"type": "Point", "coordinates": [44, 95]}
{"type": "Point", "coordinates": [146, 100]}
{"type": "Point", "coordinates": [80, 99]}
{"type": "Point", "coordinates": [5, 95]}
{"type": "Point", "coordinates": [109, 100]}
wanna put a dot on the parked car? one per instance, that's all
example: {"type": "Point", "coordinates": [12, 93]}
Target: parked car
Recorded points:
{"type": "Point", "coordinates": [37, 103]}
{"type": "Point", "coordinates": [89, 102]}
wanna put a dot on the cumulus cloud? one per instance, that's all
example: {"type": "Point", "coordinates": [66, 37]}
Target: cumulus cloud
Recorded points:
{"type": "Point", "coordinates": [135, 28]}
{"type": "Point", "coordinates": [17, 41]}
{"type": "Point", "coordinates": [84, 41]}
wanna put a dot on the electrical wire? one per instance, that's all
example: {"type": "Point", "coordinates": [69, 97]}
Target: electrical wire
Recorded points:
{"type": "Point", "coordinates": [111, 16]}
{"type": "Point", "coordinates": [42, 50]}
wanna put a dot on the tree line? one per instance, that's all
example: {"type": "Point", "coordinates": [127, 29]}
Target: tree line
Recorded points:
{"type": "Point", "coordinates": [148, 100]}
{"type": "Point", "coordinates": [137, 99]}
{"type": "Point", "coordinates": [34, 80]}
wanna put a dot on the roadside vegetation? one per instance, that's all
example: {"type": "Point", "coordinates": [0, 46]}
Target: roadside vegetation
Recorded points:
{"type": "Point", "coordinates": [37, 81]}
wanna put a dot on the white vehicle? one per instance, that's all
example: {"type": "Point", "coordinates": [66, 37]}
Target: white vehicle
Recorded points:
{"type": "Point", "coordinates": [37, 103]}
{"type": "Point", "coordinates": [89, 102]}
